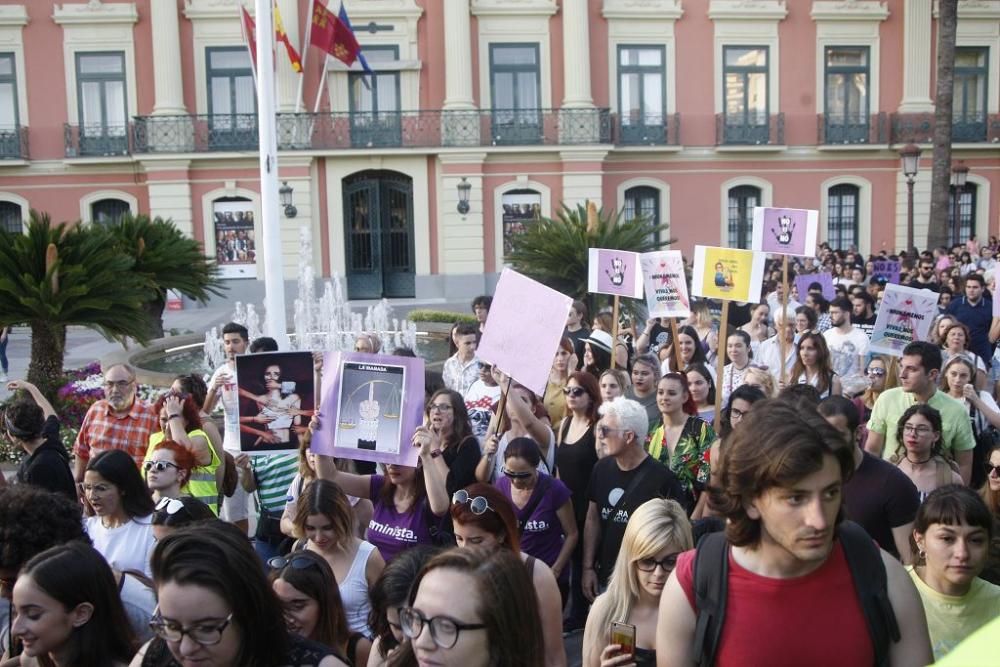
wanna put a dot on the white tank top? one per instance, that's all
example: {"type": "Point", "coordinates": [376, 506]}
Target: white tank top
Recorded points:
{"type": "Point", "coordinates": [354, 591]}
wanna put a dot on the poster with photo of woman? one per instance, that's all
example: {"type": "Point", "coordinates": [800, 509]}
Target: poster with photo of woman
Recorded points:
{"type": "Point", "coordinates": [520, 210]}
{"type": "Point", "coordinates": [277, 398]}
{"type": "Point", "coordinates": [235, 239]}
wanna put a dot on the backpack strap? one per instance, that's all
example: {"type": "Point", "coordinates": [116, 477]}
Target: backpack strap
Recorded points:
{"type": "Point", "coordinates": [872, 586]}
{"type": "Point", "coordinates": [711, 579]}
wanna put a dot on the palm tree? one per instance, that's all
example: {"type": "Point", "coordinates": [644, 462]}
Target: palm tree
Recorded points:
{"type": "Point", "coordinates": [55, 276]}
{"type": "Point", "coordinates": [167, 260]}
{"type": "Point", "coordinates": [555, 251]}
{"type": "Point", "coordinates": [938, 232]}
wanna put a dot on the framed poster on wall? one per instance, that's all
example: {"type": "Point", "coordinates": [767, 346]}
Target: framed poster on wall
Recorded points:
{"type": "Point", "coordinates": [520, 209]}
{"type": "Point", "coordinates": [235, 239]}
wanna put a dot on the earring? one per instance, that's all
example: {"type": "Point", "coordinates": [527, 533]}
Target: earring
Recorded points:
{"type": "Point", "coordinates": [921, 554]}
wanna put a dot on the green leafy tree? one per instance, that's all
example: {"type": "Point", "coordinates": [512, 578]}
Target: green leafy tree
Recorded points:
{"type": "Point", "coordinates": [55, 276]}
{"type": "Point", "coordinates": [554, 251]}
{"type": "Point", "coordinates": [165, 259]}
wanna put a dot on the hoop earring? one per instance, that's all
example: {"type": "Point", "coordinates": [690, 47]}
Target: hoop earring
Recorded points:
{"type": "Point", "coordinates": [921, 554]}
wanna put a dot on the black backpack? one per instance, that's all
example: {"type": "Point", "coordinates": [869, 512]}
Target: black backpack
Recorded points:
{"type": "Point", "coordinates": [711, 579]}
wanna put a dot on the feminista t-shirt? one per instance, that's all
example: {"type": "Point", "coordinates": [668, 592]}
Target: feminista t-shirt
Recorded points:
{"type": "Point", "coordinates": [392, 532]}
{"type": "Point", "coordinates": [542, 536]}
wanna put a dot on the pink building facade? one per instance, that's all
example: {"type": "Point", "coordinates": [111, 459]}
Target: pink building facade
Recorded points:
{"type": "Point", "coordinates": [690, 111]}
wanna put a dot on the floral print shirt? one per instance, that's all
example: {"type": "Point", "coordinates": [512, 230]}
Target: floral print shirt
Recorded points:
{"type": "Point", "coordinates": [690, 462]}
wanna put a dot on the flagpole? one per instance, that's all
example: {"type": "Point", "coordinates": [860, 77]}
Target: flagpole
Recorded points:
{"type": "Point", "coordinates": [274, 280]}
{"type": "Point", "coordinates": [322, 83]}
{"type": "Point", "coordinates": [304, 53]}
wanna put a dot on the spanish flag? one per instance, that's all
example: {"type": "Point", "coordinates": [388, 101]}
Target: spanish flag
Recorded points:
{"type": "Point", "coordinates": [282, 36]}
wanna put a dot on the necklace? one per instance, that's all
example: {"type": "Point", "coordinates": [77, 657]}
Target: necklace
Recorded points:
{"type": "Point", "coordinates": [927, 460]}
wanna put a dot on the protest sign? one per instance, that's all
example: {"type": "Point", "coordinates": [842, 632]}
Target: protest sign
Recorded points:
{"type": "Point", "coordinates": [666, 284]}
{"type": "Point", "coordinates": [886, 269]}
{"type": "Point", "coordinates": [786, 231]}
{"type": "Point", "coordinates": [371, 405]}
{"type": "Point", "coordinates": [276, 400]}
{"type": "Point", "coordinates": [906, 315]}
{"type": "Point", "coordinates": [727, 273]}
{"type": "Point", "coordinates": [825, 281]}
{"type": "Point", "coordinates": [614, 272]}
{"type": "Point", "coordinates": [527, 320]}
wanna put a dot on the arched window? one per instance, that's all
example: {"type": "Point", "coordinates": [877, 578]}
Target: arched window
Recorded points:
{"type": "Point", "coordinates": [742, 200]}
{"type": "Point", "coordinates": [966, 212]}
{"type": "Point", "coordinates": [842, 216]}
{"type": "Point", "coordinates": [106, 211]}
{"type": "Point", "coordinates": [643, 201]}
{"type": "Point", "coordinates": [11, 217]}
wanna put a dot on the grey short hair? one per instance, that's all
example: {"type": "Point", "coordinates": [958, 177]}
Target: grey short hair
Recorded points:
{"type": "Point", "coordinates": [125, 367]}
{"type": "Point", "coordinates": [631, 415]}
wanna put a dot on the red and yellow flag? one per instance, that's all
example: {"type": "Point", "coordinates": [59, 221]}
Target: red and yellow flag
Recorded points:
{"type": "Point", "coordinates": [282, 36]}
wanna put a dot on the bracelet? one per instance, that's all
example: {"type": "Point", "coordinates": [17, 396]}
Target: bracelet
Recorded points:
{"type": "Point", "coordinates": [435, 453]}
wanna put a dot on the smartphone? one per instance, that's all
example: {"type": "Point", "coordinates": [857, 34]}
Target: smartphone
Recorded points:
{"type": "Point", "coordinates": [623, 634]}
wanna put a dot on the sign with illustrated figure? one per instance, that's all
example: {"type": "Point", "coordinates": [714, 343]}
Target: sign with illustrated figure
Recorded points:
{"type": "Point", "coordinates": [371, 405]}
{"type": "Point", "coordinates": [666, 284]}
{"type": "Point", "coordinates": [276, 400]}
{"type": "Point", "coordinates": [727, 273]}
{"type": "Point", "coordinates": [905, 315]}
{"type": "Point", "coordinates": [526, 323]}
{"type": "Point", "coordinates": [614, 272]}
{"type": "Point", "coordinates": [785, 231]}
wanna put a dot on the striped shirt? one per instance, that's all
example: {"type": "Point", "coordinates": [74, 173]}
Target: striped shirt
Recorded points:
{"type": "Point", "coordinates": [274, 474]}
{"type": "Point", "coordinates": [102, 430]}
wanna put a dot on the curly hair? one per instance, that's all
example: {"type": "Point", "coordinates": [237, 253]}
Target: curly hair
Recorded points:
{"type": "Point", "coordinates": [33, 520]}
{"type": "Point", "coordinates": [189, 410]}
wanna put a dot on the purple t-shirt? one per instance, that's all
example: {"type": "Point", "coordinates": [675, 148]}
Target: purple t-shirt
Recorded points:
{"type": "Point", "coordinates": [542, 536]}
{"type": "Point", "coordinates": [392, 532]}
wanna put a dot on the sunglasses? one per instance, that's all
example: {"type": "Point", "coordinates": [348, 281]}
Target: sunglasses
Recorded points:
{"type": "Point", "coordinates": [877, 372]}
{"type": "Point", "coordinates": [990, 469]}
{"type": "Point", "coordinates": [171, 505]}
{"type": "Point", "coordinates": [295, 562]}
{"type": "Point", "coordinates": [478, 505]}
{"type": "Point", "coordinates": [575, 392]}
{"type": "Point", "coordinates": [603, 430]}
{"type": "Point", "coordinates": [159, 466]}
{"type": "Point", "coordinates": [510, 474]}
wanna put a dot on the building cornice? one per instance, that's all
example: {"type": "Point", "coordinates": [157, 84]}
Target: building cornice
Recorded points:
{"type": "Point", "coordinates": [643, 9]}
{"type": "Point", "coordinates": [747, 10]}
{"type": "Point", "coordinates": [849, 10]}
{"type": "Point", "coordinates": [513, 7]}
{"type": "Point", "coordinates": [95, 11]}
{"type": "Point", "coordinates": [13, 15]}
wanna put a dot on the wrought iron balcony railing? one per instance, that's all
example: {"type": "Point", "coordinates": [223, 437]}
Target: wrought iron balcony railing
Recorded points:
{"type": "Point", "coordinates": [384, 129]}
{"type": "Point", "coordinates": [749, 129]}
{"type": "Point", "coordinates": [14, 143]}
{"type": "Point", "coordinates": [647, 129]}
{"type": "Point", "coordinates": [97, 140]}
{"type": "Point", "coordinates": [918, 128]}
{"type": "Point", "coordinates": [852, 129]}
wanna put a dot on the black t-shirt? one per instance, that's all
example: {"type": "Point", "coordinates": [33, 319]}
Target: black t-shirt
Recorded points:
{"type": "Point", "coordinates": [462, 462]}
{"type": "Point", "coordinates": [607, 484]}
{"type": "Point", "coordinates": [577, 338]}
{"type": "Point", "coordinates": [658, 337]}
{"type": "Point", "coordinates": [740, 314]}
{"type": "Point", "coordinates": [48, 466]}
{"type": "Point", "coordinates": [880, 497]}
{"type": "Point", "coordinates": [916, 284]}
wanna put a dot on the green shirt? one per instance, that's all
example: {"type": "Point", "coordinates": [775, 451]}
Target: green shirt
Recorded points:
{"type": "Point", "coordinates": [892, 403]}
{"type": "Point", "coordinates": [274, 474]}
{"type": "Point", "coordinates": [951, 619]}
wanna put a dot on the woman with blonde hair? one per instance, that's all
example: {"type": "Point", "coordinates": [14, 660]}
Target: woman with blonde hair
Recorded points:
{"type": "Point", "coordinates": [657, 532]}
{"type": "Point", "coordinates": [760, 378]}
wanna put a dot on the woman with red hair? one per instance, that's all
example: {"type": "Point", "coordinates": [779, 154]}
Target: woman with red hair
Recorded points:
{"type": "Point", "coordinates": [168, 470]}
{"type": "Point", "coordinates": [180, 421]}
{"type": "Point", "coordinates": [484, 518]}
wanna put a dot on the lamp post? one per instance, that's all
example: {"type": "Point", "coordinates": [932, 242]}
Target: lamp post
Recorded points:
{"type": "Point", "coordinates": [910, 157]}
{"type": "Point", "coordinates": [959, 174]}
{"type": "Point", "coordinates": [285, 195]}
{"type": "Point", "coordinates": [463, 196]}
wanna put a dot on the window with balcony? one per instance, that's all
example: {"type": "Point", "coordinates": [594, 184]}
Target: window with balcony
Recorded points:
{"type": "Point", "coordinates": [966, 212]}
{"type": "Point", "coordinates": [846, 109]}
{"type": "Point", "coordinates": [745, 95]}
{"type": "Point", "coordinates": [842, 216]}
{"type": "Point", "coordinates": [969, 96]}
{"type": "Point", "coordinates": [10, 131]}
{"type": "Point", "coordinates": [107, 211]}
{"type": "Point", "coordinates": [516, 94]}
{"type": "Point", "coordinates": [232, 99]}
{"type": "Point", "coordinates": [742, 200]}
{"type": "Point", "coordinates": [375, 113]}
{"type": "Point", "coordinates": [103, 108]}
{"type": "Point", "coordinates": [642, 99]}
{"type": "Point", "coordinates": [11, 217]}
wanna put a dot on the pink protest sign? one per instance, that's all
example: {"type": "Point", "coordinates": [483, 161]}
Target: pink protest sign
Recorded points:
{"type": "Point", "coordinates": [905, 315]}
{"type": "Point", "coordinates": [526, 323]}
{"type": "Point", "coordinates": [786, 231]}
{"type": "Point", "coordinates": [666, 284]}
{"type": "Point", "coordinates": [614, 272]}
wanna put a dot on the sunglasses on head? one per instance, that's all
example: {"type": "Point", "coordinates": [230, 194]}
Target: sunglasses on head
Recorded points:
{"type": "Point", "coordinates": [295, 562]}
{"type": "Point", "coordinates": [159, 466]}
{"type": "Point", "coordinates": [575, 392]}
{"type": "Point", "coordinates": [171, 505]}
{"type": "Point", "coordinates": [478, 505]}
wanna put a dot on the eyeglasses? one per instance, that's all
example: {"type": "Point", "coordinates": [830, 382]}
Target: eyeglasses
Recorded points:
{"type": "Point", "coordinates": [205, 633]}
{"type": "Point", "coordinates": [917, 430]}
{"type": "Point", "coordinates": [444, 630]}
{"type": "Point", "coordinates": [668, 563]}
{"type": "Point", "coordinates": [439, 407]}
{"type": "Point", "coordinates": [510, 474]}
{"type": "Point", "coordinates": [119, 384]}
{"type": "Point", "coordinates": [875, 372]}
{"type": "Point", "coordinates": [159, 466]}
{"type": "Point", "coordinates": [603, 430]}
{"type": "Point", "coordinates": [737, 414]}
{"type": "Point", "coordinates": [575, 392]}
{"type": "Point", "coordinates": [295, 562]}
{"type": "Point", "coordinates": [478, 505]}
{"type": "Point", "coordinates": [990, 469]}
{"type": "Point", "coordinates": [171, 505]}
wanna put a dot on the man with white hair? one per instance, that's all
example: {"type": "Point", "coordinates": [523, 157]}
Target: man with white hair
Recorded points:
{"type": "Point", "coordinates": [621, 482]}
{"type": "Point", "coordinates": [769, 352]}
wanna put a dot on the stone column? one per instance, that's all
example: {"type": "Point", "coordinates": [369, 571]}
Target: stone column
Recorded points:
{"type": "Point", "coordinates": [460, 122]}
{"type": "Point", "coordinates": [168, 84]}
{"type": "Point", "coordinates": [917, 58]}
{"type": "Point", "coordinates": [576, 55]}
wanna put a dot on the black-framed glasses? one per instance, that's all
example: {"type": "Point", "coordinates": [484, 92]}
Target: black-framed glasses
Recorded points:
{"type": "Point", "coordinates": [206, 633]}
{"type": "Point", "coordinates": [295, 562]}
{"type": "Point", "coordinates": [575, 392]}
{"type": "Point", "coordinates": [171, 505]}
{"type": "Point", "coordinates": [159, 466]}
{"type": "Point", "coordinates": [444, 629]}
{"type": "Point", "coordinates": [917, 430]}
{"type": "Point", "coordinates": [479, 505]}
{"type": "Point", "coordinates": [439, 407]}
{"type": "Point", "coordinates": [117, 384]}
{"type": "Point", "coordinates": [668, 563]}
{"type": "Point", "coordinates": [990, 469]}
{"type": "Point", "coordinates": [510, 474]}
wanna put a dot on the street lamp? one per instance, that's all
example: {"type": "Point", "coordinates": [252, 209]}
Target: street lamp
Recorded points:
{"type": "Point", "coordinates": [959, 174]}
{"type": "Point", "coordinates": [910, 156]}
{"type": "Point", "coordinates": [463, 196]}
{"type": "Point", "coordinates": [285, 193]}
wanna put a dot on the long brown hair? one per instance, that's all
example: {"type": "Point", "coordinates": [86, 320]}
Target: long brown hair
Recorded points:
{"type": "Point", "coordinates": [991, 498]}
{"type": "Point", "coordinates": [589, 384]}
{"type": "Point", "coordinates": [823, 364]}
{"type": "Point", "coordinates": [461, 428]}
{"type": "Point", "coordinates": [321, 496]}
{"type": "Point", "coordinates": [317, 580]}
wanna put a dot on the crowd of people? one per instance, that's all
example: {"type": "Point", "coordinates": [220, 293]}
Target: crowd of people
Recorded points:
{"type": "Point", "coordinates": [841, 507]}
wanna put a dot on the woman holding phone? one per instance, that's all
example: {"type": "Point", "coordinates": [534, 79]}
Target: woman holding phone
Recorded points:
{"type": "Point", "coordinates": [657, 532]}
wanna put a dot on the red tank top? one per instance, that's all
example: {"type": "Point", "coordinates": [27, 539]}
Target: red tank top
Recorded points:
{"type": "Point", "coordinates": [811, 620]}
